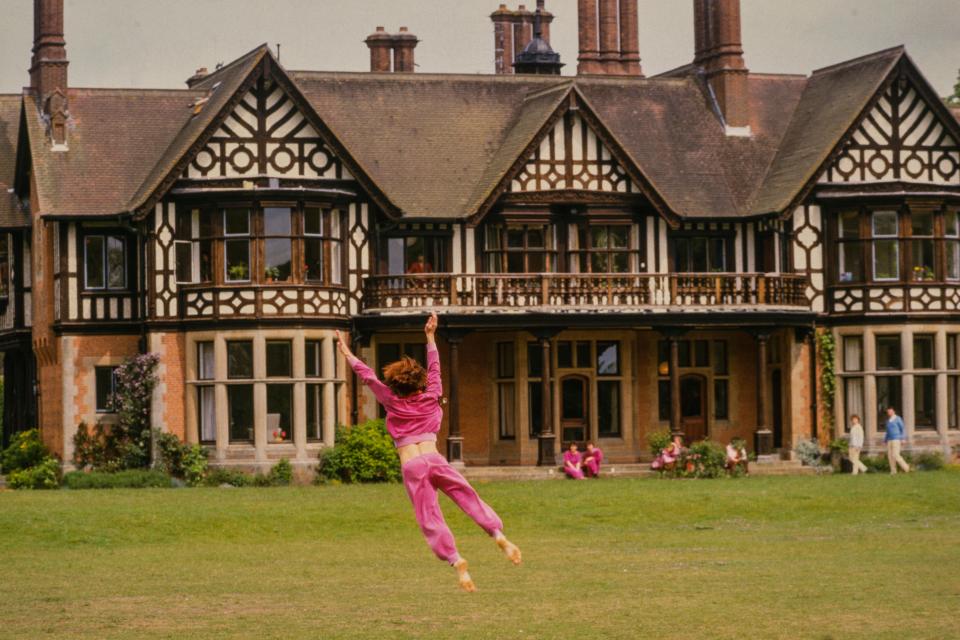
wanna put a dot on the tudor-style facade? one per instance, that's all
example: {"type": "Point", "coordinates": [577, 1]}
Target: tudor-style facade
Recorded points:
{"type": "Point", "coordinates": [611, 255]}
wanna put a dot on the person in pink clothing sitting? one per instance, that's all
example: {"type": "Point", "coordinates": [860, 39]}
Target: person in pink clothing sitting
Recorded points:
{"type": "Point", "coordinates": [412, 397]}
{"type": "Point", "coordinates": [590, 461]}
{"type": "Point", "coordinates": [571, 463]}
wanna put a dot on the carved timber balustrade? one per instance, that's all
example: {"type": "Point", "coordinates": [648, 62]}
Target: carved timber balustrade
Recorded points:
{"type": "Point", "coordinates": [247, 301]}
{"type": "Point", "coordinates": [570, 292]}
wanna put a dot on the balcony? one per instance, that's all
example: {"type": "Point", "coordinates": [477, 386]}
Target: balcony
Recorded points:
{"type": "Point", "coordinates": [564, 292]}
{"type": "Point", "coordinates": [251, 301]}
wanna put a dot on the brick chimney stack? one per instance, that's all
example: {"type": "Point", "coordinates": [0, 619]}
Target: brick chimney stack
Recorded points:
{"type": "Point", "coordinates": [381, 49]}
{"type": "Point", "coordinates": [404, 44]}
{"type": "Point", "coordinates": [609, 37]}
{"type": "Point", "coordinates": [392, 52]}
{"type": "Point", "coordinates": [719, 53]}
{"type": "Point", "coordinates": [514, 30]}
{"type": "Point", "coordinates": [48, 68]}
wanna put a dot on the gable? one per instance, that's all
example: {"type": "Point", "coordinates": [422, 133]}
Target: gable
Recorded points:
{"type": "Point", "coordinates": [572, 156]}
{"type": "Point", "coordinates": [903, 139]}
{"type": "Point", "coordinates": [266, 135]}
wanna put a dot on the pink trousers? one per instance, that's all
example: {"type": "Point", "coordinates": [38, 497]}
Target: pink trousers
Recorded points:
{"type": "Point", "coordinates": [423, 477]}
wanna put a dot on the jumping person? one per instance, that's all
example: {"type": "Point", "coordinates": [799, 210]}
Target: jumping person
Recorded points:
{"type": "Point", "coordinates": [411, 397]}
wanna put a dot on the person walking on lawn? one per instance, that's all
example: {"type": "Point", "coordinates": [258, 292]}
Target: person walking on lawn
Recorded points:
{"type": "Point", "coordinates": [855, 445]}
{"type": "Point", "coordinates": [412, 397]}
{"type": "Point", "coordinates": [896, 434]}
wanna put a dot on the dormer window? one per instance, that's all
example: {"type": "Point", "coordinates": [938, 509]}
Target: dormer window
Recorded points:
{"type": "Point", "coordinates": [105, 262]}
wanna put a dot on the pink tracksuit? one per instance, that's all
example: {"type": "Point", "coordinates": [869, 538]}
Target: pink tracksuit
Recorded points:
{"type": "Point", "coordinates": [416, 419]}
{"type": "Point", "coordinates": [592, 467]}
{"type": "Point", "coordinates": [570, 460]}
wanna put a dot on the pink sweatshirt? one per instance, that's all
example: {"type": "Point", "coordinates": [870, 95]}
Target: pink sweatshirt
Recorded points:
{"type": "Point", "coordinates": [415, 418]}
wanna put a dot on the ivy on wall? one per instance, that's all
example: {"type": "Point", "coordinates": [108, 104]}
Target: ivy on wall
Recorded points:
{"type": "Point", "coordinates": [826, 356]}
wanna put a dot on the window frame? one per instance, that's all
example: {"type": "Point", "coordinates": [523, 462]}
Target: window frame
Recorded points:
{"type": "Point", "coordinates": [105, 235]}
{"type": "Point", "coordinates": [497, 258]}
{"type": "Point", "coordinates": [107, 406]}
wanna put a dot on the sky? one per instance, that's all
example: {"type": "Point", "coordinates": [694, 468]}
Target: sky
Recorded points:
{"type": "Point", "coordinates": [159, 43]}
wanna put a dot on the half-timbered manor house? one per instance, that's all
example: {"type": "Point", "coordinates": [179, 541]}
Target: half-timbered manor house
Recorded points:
{"type": "Point", "coordinates": [611, 254]}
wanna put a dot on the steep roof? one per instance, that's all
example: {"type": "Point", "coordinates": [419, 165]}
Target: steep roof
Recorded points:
{"type": "Point", "coordinates": [438, 146]}
{"type": "Point", "coordinates": [11, 214]}
{"type": "Point", "coordinates": [428, 140]}
{"type": "Point", "coordinates": [115, 138]}
{"type": "Point", "coordinates": [833, 100]}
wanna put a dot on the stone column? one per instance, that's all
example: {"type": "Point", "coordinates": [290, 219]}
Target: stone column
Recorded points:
{"type": "Point", "coordinates": [454, 439]}
{"type": "Point", "coordinates": [763, 438]}
{"type": "Point", "coordinates": [546, 438]}
{"type": "Point", "coordinates": [907, 411]}
{"type": "Point", "coordinates": [676, 418]}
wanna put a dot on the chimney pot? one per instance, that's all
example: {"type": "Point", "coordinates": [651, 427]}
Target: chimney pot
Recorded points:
{"type": "Point", "coordinates": [404, 44]}
{"type": "Point", "coordinates": [380, 44]}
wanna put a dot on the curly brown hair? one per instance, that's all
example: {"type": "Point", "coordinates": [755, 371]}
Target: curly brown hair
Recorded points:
{"type": "Point", "coordinates": [405, 377]}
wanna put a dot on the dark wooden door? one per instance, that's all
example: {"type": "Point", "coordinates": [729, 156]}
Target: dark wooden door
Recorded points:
{"type": "Point", "coordinates": [777, 406]}
{"type": "Point", "coordinates": [693, 407]}
{"type": "Point", "coordinates": [574, 410]}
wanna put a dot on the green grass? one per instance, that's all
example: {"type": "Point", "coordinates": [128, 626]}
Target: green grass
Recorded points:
{"type": "Point", "coordinates": [796, 557]}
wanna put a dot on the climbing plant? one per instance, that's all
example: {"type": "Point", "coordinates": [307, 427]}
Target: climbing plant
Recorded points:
{"type": "Point", "coordinates": [826, 350]}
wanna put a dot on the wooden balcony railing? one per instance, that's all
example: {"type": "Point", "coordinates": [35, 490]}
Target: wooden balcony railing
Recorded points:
{"type": "Point", "coordinates": [563, 291]}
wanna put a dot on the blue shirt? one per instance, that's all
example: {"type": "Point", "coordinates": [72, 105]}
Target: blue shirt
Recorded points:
{"type": "Point", "coordinates": [895, 429]}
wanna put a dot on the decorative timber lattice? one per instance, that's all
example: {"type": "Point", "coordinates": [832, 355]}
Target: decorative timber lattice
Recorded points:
{"type": "Point", "coordinates": [266, 135]}
{"type": "Point", "coordinates": [572, 157]}
{"type": "Point", "coordinates": [901, 139]}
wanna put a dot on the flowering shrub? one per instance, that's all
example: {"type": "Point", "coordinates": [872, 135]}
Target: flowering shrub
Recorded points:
{"type": "Point", "coordinates": [185, 461]}
{"type": "Point", "coordinates": [658, 441]}
{"type": "Point", "coordinates": [703, 459]}
{"type": "Point", "coordinates": [136, 379]}
{"type": "Point", "coordinates": [26, 450]}
{"type": "Point", "coordinates": [45, 475]}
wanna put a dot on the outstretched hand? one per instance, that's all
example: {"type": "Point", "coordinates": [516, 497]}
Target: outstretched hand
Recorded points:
{"type": "Point", "coordinates": [343, 343]}
{"type": "Point", "coordinates": [430, 329]}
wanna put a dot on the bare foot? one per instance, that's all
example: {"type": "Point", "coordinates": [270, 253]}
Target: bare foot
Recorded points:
{"type": "Point", "coordinates": [466, 582]}
{"type": "Point", "coordinates": [509, 549]}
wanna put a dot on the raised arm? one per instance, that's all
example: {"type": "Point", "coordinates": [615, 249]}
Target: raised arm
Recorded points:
{"type": "Point", "coordinates": [367, 376]}
{"type": "Point", "coordinates": [434, 383]}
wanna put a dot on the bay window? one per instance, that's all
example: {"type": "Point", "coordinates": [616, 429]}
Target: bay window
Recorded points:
{"type": "Point", "coordinates": [277, 244]}
{"type": "Point", "coordinates": [850, 247]}
{"type": "Point", "coordinates": [921, 245]}
{"type": "Point", "coordinates": [185, 247]}
{"type": "Point", "coordinates": [321, 243]}
{"type": "Point", "coordinates": [236, 232]}
{"type": "Point", "coordinates": [951, 245]}
{"type": "Point", "coordinates": [886, 246]}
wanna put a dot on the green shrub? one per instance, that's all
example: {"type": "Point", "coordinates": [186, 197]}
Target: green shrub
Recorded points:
{"type": "Point", "coordinates": [658, 441]}
{"type": "Point", "coordinates": [232, 477]}
{"type": "Point", "coordinates": [128, 479]}
{"type": "Point", "coordinates": [45, 475]}
{"type": "Point", "coordinates": [927, 461]}
{"type": "Point", "coordinates": [363, 453]}
{"type": "Point", "coordinates": [25, 451]}
{"type": "Point", "coordinates": [98, 449]}
{"type": "Point", "coordinates": [877, 464]}
{"type": "Point", "coordinates": [195, 465]}
{"type": "Point", "coordinates": [185, 461]}
{"type": "Point", "coordinates": [704, 459]}
{"type": "Point", "coordinates": [281, 475]}
{"type": "Point", "coordinates": [809, 453]}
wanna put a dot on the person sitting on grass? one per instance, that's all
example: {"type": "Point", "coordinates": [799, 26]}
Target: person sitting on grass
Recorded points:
{"type": "Point", "coordinates": [590, 461]}
{"type": "Point", "coordinates": [668, 457]}
{"type": "Point", "coordinates": [737, 456]}
{"type": "Point", "coordinates": [411, 397]}
{"type": "Point", "coordinates": [571, 463]}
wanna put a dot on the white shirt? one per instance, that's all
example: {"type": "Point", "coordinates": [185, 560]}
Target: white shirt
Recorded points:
{"type": "Point", "coordinates": [856, 436]}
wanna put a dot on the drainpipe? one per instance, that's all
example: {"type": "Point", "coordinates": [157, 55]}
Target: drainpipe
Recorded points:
{"type": "Point", "coordinates": [813, 381]}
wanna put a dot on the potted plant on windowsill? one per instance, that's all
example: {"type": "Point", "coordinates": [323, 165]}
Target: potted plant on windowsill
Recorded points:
{"type": "Point", "coordinates": [271, 274]}
{"type": "Point", "coordinates": [237, 272]}
{"type": "Point", "coordinates": [923, 273]}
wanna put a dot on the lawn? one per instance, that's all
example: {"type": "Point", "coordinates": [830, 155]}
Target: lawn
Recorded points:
{"type": "Point", "coordinates": [795, 557]}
